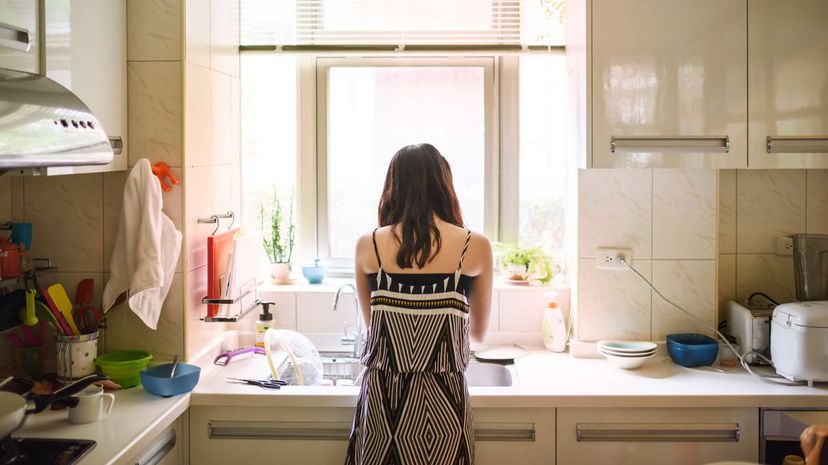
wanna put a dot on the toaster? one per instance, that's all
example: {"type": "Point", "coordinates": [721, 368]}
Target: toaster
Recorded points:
{"type": "Point", "coordinates": [799, 341]}
{"type": "Point", "coordinates": [750, 326]}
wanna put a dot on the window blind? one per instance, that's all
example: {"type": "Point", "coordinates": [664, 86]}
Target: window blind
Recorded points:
{"type": "Point", "coordinates": [401, 24]}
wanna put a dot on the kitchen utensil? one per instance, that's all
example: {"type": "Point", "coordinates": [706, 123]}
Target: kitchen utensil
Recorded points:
{"type": "Point", "coordinates": [86, 319]}
{"type": "Point", "coordinates": [58, 295]}
{"type": "Point", "coordinates": [124, 366]}
{"type": "Point", "coordinates": [262, 383]}
{"type": "Point", "coordinates": [629, 347]}
{"type": "Point", "coordinates": [27, 315]}
{"type": "Point", "coordinates": [315, 274]}
{"type": "Point", "coordinates": [157, 380]}
{"type": "Point", "coordinates": [83, 294]}
{"type": "Point", "coordinates": [692, 350]}
{"type": "Point", "coordinates": [76, 355]}
{"type": "Point", "coordinates": [500, 353]}
{"type": "Point", "coordinates": [810, 256]}
{"type": "Point", "coordinates": [174, 363]}
{"type": "Point", "coordinates": [90, 407]}
{"type": "Point", "coordinates": [799, 333]}
{"type": "Point", "coordinates": [626, 362]}
{"type": "Point", "coordinates": [43, 312]}
{"type": "Point", "coordinates": [63, 328]}
{"type": "Point", "coordinates": [225, 358]}
{"type": "Point", "coordinates": [17, 385]}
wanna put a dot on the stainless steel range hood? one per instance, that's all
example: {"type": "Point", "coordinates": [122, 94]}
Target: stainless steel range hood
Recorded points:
{"type": "Point", "coordinates": [43, 124]}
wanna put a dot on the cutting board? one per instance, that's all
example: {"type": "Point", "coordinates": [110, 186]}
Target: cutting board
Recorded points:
{"type": "Point", "coordinates": [218, 252]}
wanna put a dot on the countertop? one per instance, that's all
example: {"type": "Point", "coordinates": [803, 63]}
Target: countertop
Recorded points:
{"type": "Point", "coordinates": [136, 418]}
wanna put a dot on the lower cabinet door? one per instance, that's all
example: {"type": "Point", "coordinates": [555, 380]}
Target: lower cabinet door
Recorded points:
{"type": "Point", "coordinates": [319, 436]}
{"type": "Point", "coordinates": [167, 448]}
{"type": "Point", "coordinates": [691, 436]}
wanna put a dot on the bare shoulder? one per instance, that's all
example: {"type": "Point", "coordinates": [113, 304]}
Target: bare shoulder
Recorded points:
{"type": "Point", "coordinates": [364, 258]}
{"type": "Point", "coordinates": [480, 242]}
{"type": "Point", "coordinates": [479, 255]}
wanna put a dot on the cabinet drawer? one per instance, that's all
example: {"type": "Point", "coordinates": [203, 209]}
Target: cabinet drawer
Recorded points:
{"type": "Point", "coordinates": [19, 47]}
{"type": "Point", "coordinates": [675, 436]}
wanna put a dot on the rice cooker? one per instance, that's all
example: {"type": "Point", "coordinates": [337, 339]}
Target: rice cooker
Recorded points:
{"type": "Point", "coordinates": [799, 341]}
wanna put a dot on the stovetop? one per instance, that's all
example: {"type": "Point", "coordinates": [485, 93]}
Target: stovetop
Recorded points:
{"type": "Point", "coordinates": [31, 451]}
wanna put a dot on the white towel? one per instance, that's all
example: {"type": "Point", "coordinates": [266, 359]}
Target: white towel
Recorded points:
{"type": "Point", "coordinates": [146, 250]}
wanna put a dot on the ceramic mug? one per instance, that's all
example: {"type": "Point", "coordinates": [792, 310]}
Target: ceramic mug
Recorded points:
{"type": "Point", "coordinates": [90, 405]}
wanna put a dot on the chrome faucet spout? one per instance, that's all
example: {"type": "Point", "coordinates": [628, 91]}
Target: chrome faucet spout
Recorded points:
{"type": "Point", "coordinates": [357, 338]}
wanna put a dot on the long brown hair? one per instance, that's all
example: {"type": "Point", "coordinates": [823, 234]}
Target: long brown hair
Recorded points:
{"type": "Point", "coordinates": [418, 186]}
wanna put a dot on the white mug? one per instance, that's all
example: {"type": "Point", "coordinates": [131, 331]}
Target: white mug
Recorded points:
{"type": "Point", "coordinates": [90, 405]}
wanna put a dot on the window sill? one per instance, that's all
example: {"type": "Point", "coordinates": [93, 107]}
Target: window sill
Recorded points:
{"type": "Point", "coordinates": [330, 285]}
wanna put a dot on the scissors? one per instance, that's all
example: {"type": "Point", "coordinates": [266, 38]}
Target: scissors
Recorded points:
{"type": "Point", "coordinates": [262, 383]}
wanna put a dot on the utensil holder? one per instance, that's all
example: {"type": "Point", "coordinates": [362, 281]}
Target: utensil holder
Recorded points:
{"type": "Point", "coordinates": [76, 355]}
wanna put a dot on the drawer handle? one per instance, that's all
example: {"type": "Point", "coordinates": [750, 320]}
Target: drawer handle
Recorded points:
{"type": "Point", "coordinates": [797, 144]}
{"type": "Point", "coordinates": [340, 431]}
{"type": "Point", "coordinates": [159, 450]}
{"type": "Point", "coordinates": [657, 432]}
{"type": "Point", "coordinates": [15, 38]}
{"type": "Point", "coordinates": [117, 144]}
{"type": "Point", "coordinates": [625, 144]}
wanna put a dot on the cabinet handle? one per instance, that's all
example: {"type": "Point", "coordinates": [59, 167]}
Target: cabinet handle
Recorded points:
{"type": "Point", "coordinates": [159, 450]}
{"type": "Point", "coordinates": [657, 432]}
{"type": "Point", "coordinates": [340, 431]}
{"type": "Point", "coordinates": [623, 144]}
{"type": "Point", "coordinates": [117, 144]}
{"type": "Point", "coordinates": [797, 144]}
{"type": "Point", "coordinates": [14, 37]}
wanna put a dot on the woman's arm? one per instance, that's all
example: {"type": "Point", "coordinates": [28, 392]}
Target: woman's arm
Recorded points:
{"type": "Point", "coordinates": [481, 295]}
{"type": "Point", "coordinates": [362, 267]}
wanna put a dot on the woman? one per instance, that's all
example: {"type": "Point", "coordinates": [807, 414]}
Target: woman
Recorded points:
{"type": "Point", "coordinates": [425, 286]}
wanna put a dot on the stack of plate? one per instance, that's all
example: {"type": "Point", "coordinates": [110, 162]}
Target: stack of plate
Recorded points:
{"type": "Point", "coordinates": [627, 354]}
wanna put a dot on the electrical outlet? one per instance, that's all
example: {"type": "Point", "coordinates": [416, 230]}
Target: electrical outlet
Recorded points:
{"type": "Point", "coordinates": [784, 245]}
{"type": "Point", "coordinates": [610, 259]}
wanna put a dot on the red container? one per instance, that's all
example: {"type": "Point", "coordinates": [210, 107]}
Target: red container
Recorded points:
{"type": "Point", "coordinates": [9, 259]}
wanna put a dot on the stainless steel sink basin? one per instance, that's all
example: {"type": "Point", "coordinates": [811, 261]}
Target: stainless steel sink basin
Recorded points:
{"type": "Point", "coordinates": [337, 368]}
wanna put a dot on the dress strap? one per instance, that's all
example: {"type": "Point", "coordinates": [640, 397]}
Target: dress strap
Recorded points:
{"type": "Point", "coordinates": [465, 249]}
{"type": "Point", "coordinates": [376, 250]}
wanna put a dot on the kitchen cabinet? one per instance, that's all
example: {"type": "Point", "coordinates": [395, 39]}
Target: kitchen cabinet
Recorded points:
{"type": "Point", "coordinates": [19, 44]}
{"type": "Point", "coordinates": [788, 84]}
{"type": "Point", "coordinates": [678, 436]}
{"type": "Point", "coordinates": [169, 447]}
{"type": "Point", "coordinates": [290, 436]}
{"type": "Point", "coordinates": [668, 84]}
{"type": "Point", "coordinates": [85, 51]}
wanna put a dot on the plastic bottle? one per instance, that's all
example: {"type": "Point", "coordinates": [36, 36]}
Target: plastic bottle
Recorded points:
{"type": "Point", "coordinates": [554, 327]}
{"type": "Point", "coordinates": [264, 323]}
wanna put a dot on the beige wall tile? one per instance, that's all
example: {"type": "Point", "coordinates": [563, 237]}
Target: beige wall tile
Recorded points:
{"type": "Point", "coordinates": [221, 120]}
{"type": "Point", "coordinates": [5, 199]}
{"type": "Point", "coordinates": [198, 198]}
{"type": "Point", "coordinates": [197, 23]}
{"type": "Point", "coordinates": [615, 210]}
{"type": "Point", "coordinates": [197, 111]}
{"type": "Point", "coordinates": [690, 284]}
{"type": "Point", "coordinates": [684, 214]}
{"type": "Point", "coordinates": [18, 212]}
{"type": "Point", "coordinates": [126, 331]}
{"type": "Point", "coordinates": [727, 211]}
{"type": "Point", "coordinates": [314, 313]}
{"type": "Point", "coordinates": [153, 30]}
{"type": "Point", "coordinates": [113, 201]}
{"type": "Point", "coordinates": [726, 281]}
{"type": "Point", "coordinates": [817, 212]}
{"type": "Point", "coordinates": [66, 213]}
{"type": "Point", "coordinates": [224, 36]}
{"type": "Point", "coordinates": [199, 334]}
{"type": "Point", "coordinates": [768, 273]}
{"type": "Point", "coordinates": [770, 203]}
{"type": "Point", "coordinates": [613, 304]}
{"type": "Point", "coordinates": [235, 120]}
{"type": "Point", "coordinates": [521, 311]}
{"type": "Point", "coordinates": [154, 111]}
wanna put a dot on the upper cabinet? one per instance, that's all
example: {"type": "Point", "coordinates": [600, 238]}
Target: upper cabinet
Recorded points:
{"type": "Point", "coordinates": [668, 83]}
{"type": "Point", "coordinates": [19, 47]}
{"type": "Point", "coordinates": [788, 83]}
{"type": "Point", "coordinates": [85, 51]}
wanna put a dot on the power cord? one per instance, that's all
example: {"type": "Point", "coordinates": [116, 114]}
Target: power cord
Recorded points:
{"type": "Point", "coordinates": [775, 379]}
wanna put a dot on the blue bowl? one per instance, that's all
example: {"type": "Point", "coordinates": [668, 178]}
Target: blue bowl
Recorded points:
{"type": "Point", "coordinates": [692, 350]}
{"type": "Point", "coordinates": [314, 274]}
{"type": "Point", "coordinates": [157, 379]}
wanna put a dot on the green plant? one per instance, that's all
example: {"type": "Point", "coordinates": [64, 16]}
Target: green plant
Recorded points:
{"type": "Point", "coordinates": [279, 233]}
{"type": "Point", "coordinates": [532, 260]}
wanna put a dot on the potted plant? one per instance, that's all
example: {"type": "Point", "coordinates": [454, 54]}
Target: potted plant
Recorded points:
{"type": "Point", "coordinates": [279, 234]}
{"type": "Point", "coordinates": [524, 264]}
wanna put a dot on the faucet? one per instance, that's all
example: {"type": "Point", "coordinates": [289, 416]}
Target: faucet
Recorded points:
{"type": "Point", "coordinates": [357, 338]}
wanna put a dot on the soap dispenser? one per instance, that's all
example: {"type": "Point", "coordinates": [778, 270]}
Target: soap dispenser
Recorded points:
{"type": "Point", "coordinates": [264, 323]}
{"type": "Point", "coordinates": [554, 327]}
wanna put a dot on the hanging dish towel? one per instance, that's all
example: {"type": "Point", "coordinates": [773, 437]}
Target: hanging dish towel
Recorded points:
{"type": "Point", "coordinates": [146, 250]}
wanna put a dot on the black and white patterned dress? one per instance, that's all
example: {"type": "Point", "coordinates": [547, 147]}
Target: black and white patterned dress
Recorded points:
{"type": "Point", "coordinates": [413, 406]}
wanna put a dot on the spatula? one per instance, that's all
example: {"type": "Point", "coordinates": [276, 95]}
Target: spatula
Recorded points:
{"type": "Point", "coordinates": [61, 299]}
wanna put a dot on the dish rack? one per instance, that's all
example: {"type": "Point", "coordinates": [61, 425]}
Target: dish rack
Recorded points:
{"type": "Point", "coordinates": [238, 306]}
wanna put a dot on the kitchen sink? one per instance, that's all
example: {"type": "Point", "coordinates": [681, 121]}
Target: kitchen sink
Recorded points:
{"type": "Point", "coordinates": [346, 369]}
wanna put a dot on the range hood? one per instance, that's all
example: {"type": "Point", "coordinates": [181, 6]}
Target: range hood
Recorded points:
{"type": "Point", "coordinates": [43, 124]}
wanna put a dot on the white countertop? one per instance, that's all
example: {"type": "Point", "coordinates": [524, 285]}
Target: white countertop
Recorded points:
{"type": "Point", "coordinates": [136, 418]}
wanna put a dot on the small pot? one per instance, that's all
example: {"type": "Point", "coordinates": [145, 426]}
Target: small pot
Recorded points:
{"type": "Point", "coordinates": [280, 272]}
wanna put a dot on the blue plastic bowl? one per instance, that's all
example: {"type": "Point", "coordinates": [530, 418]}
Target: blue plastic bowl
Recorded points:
{"type": "Point", "coordinates": [692, 350]}
{"type": "Point", "coordinates": [314, 274]}
{"type": "Point", "coordinates": [157, 379]}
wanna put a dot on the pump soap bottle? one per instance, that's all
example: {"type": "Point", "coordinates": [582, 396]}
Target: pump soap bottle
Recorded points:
{"type": "Point", "coordinates": [264, 323]}
{"type": "Point", "coordinates": [554, 327]}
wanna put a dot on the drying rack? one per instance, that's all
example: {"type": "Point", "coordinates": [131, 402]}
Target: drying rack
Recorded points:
{"type": "Point", "coordinates": [237, 303]}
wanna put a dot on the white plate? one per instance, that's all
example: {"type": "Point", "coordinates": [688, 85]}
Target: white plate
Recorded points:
{"type": "Point", "coordinates": [500, 352]}
{"type": "Point", "coordinates": [630, 347]}
{"type": "Point", "coordinates": [518, 282]}
{"type": "Point", "coordinates": [603, 351]}
{"type": "Point", "coordinates": [627, 363]}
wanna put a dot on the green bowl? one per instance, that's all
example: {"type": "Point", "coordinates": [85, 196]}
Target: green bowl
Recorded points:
{"type": "Point", "coordinates": [123, 367]}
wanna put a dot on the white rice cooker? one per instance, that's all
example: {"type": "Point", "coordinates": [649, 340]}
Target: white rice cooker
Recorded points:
{"type": "Point", "coordinates": [799, 341]}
